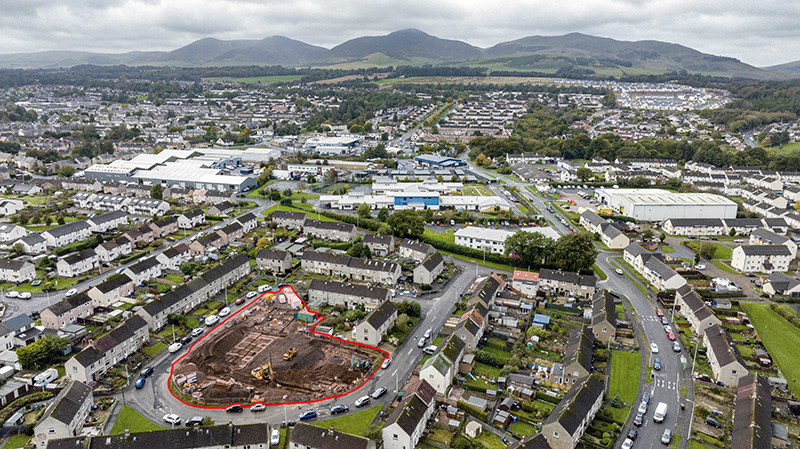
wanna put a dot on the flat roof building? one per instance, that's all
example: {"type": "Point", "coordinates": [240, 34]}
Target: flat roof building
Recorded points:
{"type": "Point", "coordinates": [659, 205]}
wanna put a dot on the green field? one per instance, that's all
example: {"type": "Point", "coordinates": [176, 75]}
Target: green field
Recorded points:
{"type": "Point", "coordinates": [780, 337]}
{"type": "Point", "coordinates": [785, 149]}
{"type": "Point", "coordinates": [625, 369]}
{"type": "Point", "coordinates": [131, 420]}
{"type": "Point", "coordinates": [448, 237]}
{"type": "Point", "coordinates": [17, 441]}
{"type": "Point", "coordinates": [256, 79]}
{"type": "Point", "coordinates": [476, 190]}
{"type": "Point", "coordinates": [720, 251]}
{"type": "Point", "coordinates": [353, 423]}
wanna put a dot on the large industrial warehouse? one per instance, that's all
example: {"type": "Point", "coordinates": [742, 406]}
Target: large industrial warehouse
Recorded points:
{"type": "Point", "coordinates": [659, 205]}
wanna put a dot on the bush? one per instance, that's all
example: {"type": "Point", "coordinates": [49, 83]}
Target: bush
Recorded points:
{"type": "Point", "coordinates": [547, 398]}
{"type": "Point", "coordinates": [472, 411]}
{"type": "Point", "coordinates": [487, 358]}
{"type": "Point", "coordinates": [425, 287]}
{"type": "Point", "coordinates": [617, 402]}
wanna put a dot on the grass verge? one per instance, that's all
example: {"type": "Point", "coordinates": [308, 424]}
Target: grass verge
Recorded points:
{"type": "Point", "coordinates": [131, 420]}
{"type": "Point", "coordinates": [780, 337]}
{"type": "Point", "coordinates": [625, 369]}
{"type": "Point", "coordinates": [353, 423]}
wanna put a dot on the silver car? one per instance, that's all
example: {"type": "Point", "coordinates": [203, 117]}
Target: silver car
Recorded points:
{"type": "Point", "coordinates": [667, 437]}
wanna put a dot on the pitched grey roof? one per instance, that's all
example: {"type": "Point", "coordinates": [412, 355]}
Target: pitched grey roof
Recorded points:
{"type": "Point", "coordinates": [769, 236]}
{"type": "Point", "coordinates": [193, 213]}
{"type": "Point", "coordinates": [575, 405]}
{"type": "Point", "coordinates": [766, 250]}
{"type": "Point", "coordinates": [721, 344]}
{"type": "Point", "coordinates": [110, 340]}
{"type": "Point", "coordinates": [144, 265]}
{"type": "Point", "coordinates": [113, 283]}
{"type": "Point", "coordinates": [68, 228]}
{"type": "Point", "coordinates": [225, 435]}
{"type": "Point", "coordinates": [592, 217]}
{"type": "Point", "coordinates": [381, 314]}
{"type": "Point", "coordinates": [415, 245]}
{"type": "Point", "coordinates": [696, 222]}
{"type": "Point", "coordinates": [175, 251]}
{"type": "Point", "coordinates": [566, 276]}
{"type": "Point", "coordinates": [67, 304]}
{"type": "Point", "coordinates": [359, 290]}
{"type": "Point", "coordinates": [379, 239]}
{"type": "Point", "coordinates": [579, 347]}
{"type": "Point", "coordinates": [272, 254]}
{"type": "Point", "coordinates": [433, 261]}
{"type": "Point", "coordinates": [18, 322]}
{"type": "Point", "coordinates": [225, 268]}
{"type": "Point", "coordinates": [14, 265]}
{"type": "Point", "coordinates": [289, 215]}
{"type": "Point", "coordinates": [323, 438]}
{"type": "Point", "coordinates": [603, 308]}
{"type": "Point", "coordinates": [68, 402]}
{"type": "Point", "coordinates": [752, 414]}
{"type": "Point", "coordinates": [105, 218]}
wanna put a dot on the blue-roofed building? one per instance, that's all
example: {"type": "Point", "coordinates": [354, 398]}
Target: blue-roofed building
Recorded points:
{"type": "Point", "coordinates": [541, 321]}
{"type": "Point", "coordinates": [430, 160]}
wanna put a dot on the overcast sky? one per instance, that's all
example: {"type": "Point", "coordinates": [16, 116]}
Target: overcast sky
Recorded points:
{"type": "Point", "coordinates": [762, 32]}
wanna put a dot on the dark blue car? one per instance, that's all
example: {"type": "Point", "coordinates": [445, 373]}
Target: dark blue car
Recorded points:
{"type": "Point", "coordinates": [310, 414]}
{"type": "Point", "coordinates": [139, 383]}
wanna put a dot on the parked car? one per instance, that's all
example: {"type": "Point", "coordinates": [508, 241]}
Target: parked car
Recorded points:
{"type": "Point", "coordinates": [379, 392]}
{"type": "Point", "coordinates": [664, 320]}
{"type": "Point", "coordinates": [336, 409]}
{"type": "Point", "coordinates": [147, 372]}
{"type": "Point", "coordinates": [666, 438]}
{"type": "Point", "coordinates": [633, 433]}
{"type": "Point", "coordinates": [428, 333]}
{"type": "Point", "coordinates": [186, 340]}
{"type": "Point", "coordinates": [139, 384]}
{"type": "Point", "coordinates": [258, 407]}
{"type": "Point", "coordinates": [194, 421]}
{"type": "Point", "coordinates": [172, 418]}
{"type": "Point", "coordinates": [386, 363]}
{"type": "Point", "coordinates": [251, 295]}
{"type": "Point", "coordinates": [676, 346]}
{"type": "Point", "coordinates": [659, 313]}
{"type": "Point", "coordinates": [627, 444]}
{"type": "Point", "coordinates": [25, 295]}
{"type": "Point", "coordinates": [175, 347]}
{"type": "Point", "coordinates": [275, 438]}
{"type": "Point", "coordinates": [638, 420]}
{"type": "Point", "coordinates": [657, 364]}
{"type": "Point", "coordinates": [198, 332]}
{"type": "Point", "coordinates": [239, 301]}
{"type": "Point", "coordinates": [713, 422]}
{"type": "Point", "coordinates": [421, 342]}
{"type": "Point", "coordinates": [72, 292]}
{"type": "Point", "coordinates": [671, 335]}
{"type": "Point", "coordinates": [224, 312]}
{"type": "Point", "coordinates": [702, 378]}
{"type": "Point", "coordinates": [308, 414]}
{"type": "Point", "coordinates": [654, 348]}
{"type": "Point", "coordinates": [13, 294]}
{"type": "Point", "coordinates": [619, 272]}
{"type": "Point", "coordinates": [646, 397]}
{"type": "Point", "coordinates": [362, 401]}
{"type": "Point", "coordinates": [700, 267]}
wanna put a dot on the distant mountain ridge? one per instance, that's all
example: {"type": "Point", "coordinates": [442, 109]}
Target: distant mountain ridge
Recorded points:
{"type": "Point", "coordinates": [570, 52]}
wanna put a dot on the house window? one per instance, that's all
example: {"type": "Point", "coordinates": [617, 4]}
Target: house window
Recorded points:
{"type": "Point", "coordinates": [395, 437]}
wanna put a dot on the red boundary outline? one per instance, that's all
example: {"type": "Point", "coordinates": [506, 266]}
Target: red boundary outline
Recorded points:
{"type": "Point", "coordinates": [319, 318]}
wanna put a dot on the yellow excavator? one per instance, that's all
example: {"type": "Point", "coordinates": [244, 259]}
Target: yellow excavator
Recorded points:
{"type": "Point", "coordinates": [290, 354]}
{"type": "Point", "coordinates": [259, 373]}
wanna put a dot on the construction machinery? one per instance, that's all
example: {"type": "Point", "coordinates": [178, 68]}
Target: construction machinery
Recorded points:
{"type": "Point", "coordinates": [290, 354]}
{"type": "Point", "coordinates": [260, 374]}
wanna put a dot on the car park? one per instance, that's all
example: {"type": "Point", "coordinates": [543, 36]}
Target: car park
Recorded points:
{"type": "Point", "coordinates": [654, 348]}
{"type": "Point", "coordinates": [379, 392]}
{"type": "Point", "coordinates": [172, 418]}
{"type": "Point", "coordinates": [139, 384]}
{"type": "Point", "coordinates": [147, 372]}
{"type": "Point", "coordinates": [308, 414]}
{"type": "Point", "coordinates": [194, 421]}
{"type": "Point", "coordinates": [657, 364]}
{"type": "Point", "coordinates": [336, 409]}
{"type": "Point", "coordinates": [258, 407]}
{"type": "Point", "coordinates": [666, 438]}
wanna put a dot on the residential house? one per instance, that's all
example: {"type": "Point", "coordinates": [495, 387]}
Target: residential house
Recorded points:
{"type": "Point", "coordinates": [274, 260]}
{"type": "Point", "coordinates": [355, 268]}
{"type": "Point", "coordinates": [144, 270]}
{"type": "Point", "coordinates": [414, 249]}
{"type": "Point", "coordinates": [469, 332]}
{"type": "Point", "coordinates": [66, 415]}
{"type": "Point", "coordinates": [404, 427]}
{"type": "Point", "coordinates": [430, 269]}
{"type": "Point", "coordinates": [111, 290]}
{"type": "Point", "coordinates": [10, 232]}
{"type": "Point", "coordinates": [10, 207]}
{"type": "Point", "coordinates": [105, 352]}
{"type": "Point", "coordinates": [777, 225]}
{"type": "Point", "coordinates": [568, 422]}
{"type": "Point", "coordinates": [441, 367]}
{"type": "Point", "coordinates": [147, 235]}
{"type": "Point", "coordinates": [573, 284]}
{"type": "Point", "coordinates": [660, 275]}
{"type": "Point", "coordinates": [33, 243]}
{"type": "Point", "coordinates": [604, 316]}
{"type": "Point", "coordinates": [612, 237]}
{"type": "Point", "coordinates": [112, 249]}
{"type": "Point", "coordinates": [379, 245]}
{"type": "Point", "coordinates": [740, 226]}
{"type": "Point", "coordinates": [329, 230]}
{"type": "Point", "coordinates": [762, 236]}
{"type": "Point", "coordinates": [780, 284]}
{"type": "Point", "coordinates": [348, 295]}
{"type": "Point", "coordinates": [761, 258]}
{"type": "Point", "coordinates": [752, 414]}
{"type": "Point", "coordinates": [224, 436]}
{"type": "Point", "coordinates": [108, 222]}
{"type": "Point", "coordinates": [68, 311]}
{"type": "Point", "coordinates": [67, 233]}
{"type": "Point", "coordinates": [306, 436]}
{"type": "Point", "coordinates": [289, 220]}
{"type": "Point", "coordinates": [85, 185]}
{"type": "Point", "coordinates": [727, 364]}
{"type": "Point", "coordinates": [191, 219]}
{"type": "Point", "coordinates": [226, 274]}
{"type": "Point", "coordinates": [173, 257]}
{"type": "Point", "coordinates": [206, 244]}
{"type": "Point", "coordinates": [180, 300]}
{"type": "Point", "coordinates": [231, 233]}
{"type": "Point", "coordinates": [376, 324]}
{"type": "Point", "coordinates": [591, 221]}
{"type": "Point", "coordinates": [692, 307]}
{"type": "Point", "coordinates": [17, 271]}
{"type": "Point", "coordinates": [578, 354]}
{"type": "Point", "coordinates": [526, 283]}
{"type": "Point", "coordinates": [694, 226]}
{"type": "Point", "coordinates": [77, 263]}
{"type": "Point", "coordinates": [221, 209]}
{"type": "Point", "coordinates": [164, 226]}
{"type": "Point", "coordinates": [248, 221]}
{"type": "Point", "coordinates": [537, 441]}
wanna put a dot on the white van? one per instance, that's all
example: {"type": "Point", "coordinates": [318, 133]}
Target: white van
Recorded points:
{"type": "Point", "coordinates": [263, 288]}
{"type": "Point", "coordinates": [212, 320]}
{"type": "Point", "coordinates": [661, 412]}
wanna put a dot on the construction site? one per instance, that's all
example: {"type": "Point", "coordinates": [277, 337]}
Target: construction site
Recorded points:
{"type": "Point", "coordinates": [266, 353]}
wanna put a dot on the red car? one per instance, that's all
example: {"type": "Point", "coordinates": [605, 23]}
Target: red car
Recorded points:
{"type": "Point", "coordinates": [659, 312]}
{"type": "Point", "coordinates": [671, 335]}
{"type": "Point", "coordinates": [703, 377]}
{"type": "Point", "coordinates": [239, 301]}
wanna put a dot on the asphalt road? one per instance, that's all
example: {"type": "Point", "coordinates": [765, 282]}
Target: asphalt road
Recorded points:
{"type": "Point", "coordinates": [155, 400]}
{"type": "Point", "coordinates": [41, 301]}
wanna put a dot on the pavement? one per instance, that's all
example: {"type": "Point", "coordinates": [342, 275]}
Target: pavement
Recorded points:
{"type": "Point", "coordinates": [41, 301]}
{"type": "Point", "coordinates": [154, 400]}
